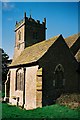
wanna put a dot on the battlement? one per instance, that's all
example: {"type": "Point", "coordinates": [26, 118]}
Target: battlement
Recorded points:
{"type": "Point", "coordinates": [29, 20]}
{"type": "Point", "coordinates": [19, 23]}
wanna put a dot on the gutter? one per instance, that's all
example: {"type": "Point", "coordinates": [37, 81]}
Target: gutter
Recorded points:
{"type": "Point", "coordinates": [24, 65]}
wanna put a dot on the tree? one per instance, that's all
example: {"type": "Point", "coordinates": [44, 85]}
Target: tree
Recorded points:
{"type": "Point", "coordinates": [5, 58]}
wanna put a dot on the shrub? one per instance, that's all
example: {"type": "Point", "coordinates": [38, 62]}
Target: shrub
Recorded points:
{"type": "Point", "coordinates": [70, 100]}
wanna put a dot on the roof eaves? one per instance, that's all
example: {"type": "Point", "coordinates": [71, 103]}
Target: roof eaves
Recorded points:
{"type": "Point", "coordinates": [23, 65]}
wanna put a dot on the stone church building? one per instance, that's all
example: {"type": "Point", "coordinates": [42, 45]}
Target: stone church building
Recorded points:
{"type": "Point", "coordinates": [41, 69]}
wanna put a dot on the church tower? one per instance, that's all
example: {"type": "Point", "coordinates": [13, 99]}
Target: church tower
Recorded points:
{"type": "Point", "coordinates": [28, 32]}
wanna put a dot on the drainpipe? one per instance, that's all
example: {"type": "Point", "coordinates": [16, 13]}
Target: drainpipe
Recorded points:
{"type": "Point", "coordinates": [24, 88]}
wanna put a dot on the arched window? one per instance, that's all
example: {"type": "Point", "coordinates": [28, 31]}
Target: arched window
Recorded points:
{"type": "Point", "coordinates": [19, 79]}
{"type": "Point", "coordinates": [19, 35]}
{"type": "Point", "coordinates": [59, 80]}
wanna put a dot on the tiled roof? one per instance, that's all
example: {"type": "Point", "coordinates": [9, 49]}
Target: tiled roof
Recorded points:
{"type": "Point", "coordinates": [72, 39]}
{"type": "Point", "coordinates": [34, 53]}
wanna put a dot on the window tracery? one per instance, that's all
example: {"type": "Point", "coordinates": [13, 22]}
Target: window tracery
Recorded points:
{"type": "Point", "coordinates": [19, 79]}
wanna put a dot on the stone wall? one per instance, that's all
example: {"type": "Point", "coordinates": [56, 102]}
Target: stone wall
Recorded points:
{"type": "Point", "coordinates": [15, 94]}
{"type": "Point", "coordinates": [58, 53]}
{"type": "Point", "coordinates": [34, 33]}
{"type": "Point", "coordinates": [30, 87]}
{"type": "Point", "coordinates": [39, 88]}
{"type": "Point", "coordinates": [19, 44]}
{"type": "Point", "coordinates": [12, 83]}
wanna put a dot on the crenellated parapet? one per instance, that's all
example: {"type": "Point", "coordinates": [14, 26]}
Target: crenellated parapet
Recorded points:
{"type": "Point", "coordinates": [29, 20]}
{"type": "Point", "coordinates": [18, 24]}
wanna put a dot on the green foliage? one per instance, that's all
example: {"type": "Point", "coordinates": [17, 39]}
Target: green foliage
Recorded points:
{"type": "Point", "coordinates": [53, 111]}
{"type": "Point", "coordinates": [5, 58]}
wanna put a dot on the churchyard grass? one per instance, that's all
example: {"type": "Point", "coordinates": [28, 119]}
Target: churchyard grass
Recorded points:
{"type": "Point", "coordinates": [54, 111]}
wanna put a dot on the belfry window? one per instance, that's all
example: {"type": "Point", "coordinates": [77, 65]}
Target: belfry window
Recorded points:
{"type": "Point", "coordinates": [59, 80]}
{"type": "Point", "coordinates": [19, 35]}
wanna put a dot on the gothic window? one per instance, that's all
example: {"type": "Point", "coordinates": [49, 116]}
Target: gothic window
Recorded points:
{"type": "Point", "coordinates": [19, 35]}
{"type": "Point", "coordinates": [19, 80]}
{"type": "Point", "coordinates": [59, 80]}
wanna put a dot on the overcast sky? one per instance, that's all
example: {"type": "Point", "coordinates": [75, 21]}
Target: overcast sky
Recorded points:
{"type": "Point", "coordinates": [62, 18]}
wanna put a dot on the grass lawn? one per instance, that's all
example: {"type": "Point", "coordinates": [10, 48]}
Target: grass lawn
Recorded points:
{"type": "Point", "coordinates": [53, 111]}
